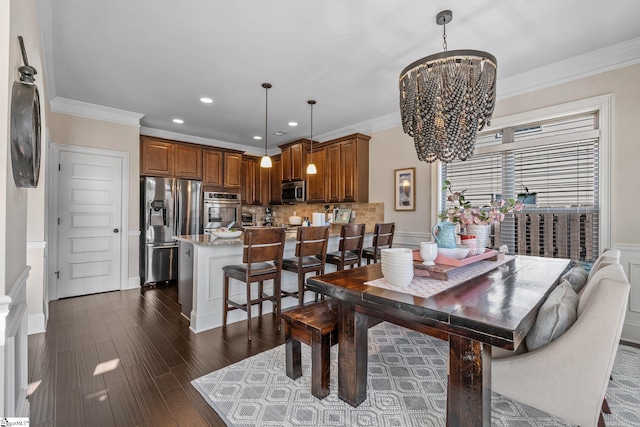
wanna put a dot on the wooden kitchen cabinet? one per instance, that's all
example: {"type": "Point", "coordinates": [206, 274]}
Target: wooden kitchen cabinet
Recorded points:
{"type": "Point", "coordinates": [222, 169]}
{"type": "Point", "coordinates": [347, 169]}
{"type": "Point", "coordinates": [232, 170]}
{"type": "Point", "coordinates": [156, 157]}
{"type": "Point", "coordinates": [276, 180]}
{"type": "Point", "coordinates": [317, 184]}
{"type": "Point", "coordinates": [293, 157]}
{"type": "Point", "coordinates": [257, 180]}
{"type": "Point", "coordinates": [188, 161]}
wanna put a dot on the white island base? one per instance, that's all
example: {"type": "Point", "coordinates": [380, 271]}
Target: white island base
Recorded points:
{"type": "Point", "coordinates": [209, 255]}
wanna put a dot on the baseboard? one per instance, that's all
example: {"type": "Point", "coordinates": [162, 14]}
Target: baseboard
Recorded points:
{"type": "Point", "coordinates": [134, 282]}
{"type": "Point", "coordinates": [35, 324]}
{"type": "Point", "coordinates": [631, 332]}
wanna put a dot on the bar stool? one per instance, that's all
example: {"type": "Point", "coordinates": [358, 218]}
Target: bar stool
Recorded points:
{"type": "Point", "coordinates": [382, 239]}
{"type": "Point", "coordinates": [262, 260]}
{"type": "Point", "coordinates": [311, 253]}
{"type": "Point", "coordinates": [350, 247]}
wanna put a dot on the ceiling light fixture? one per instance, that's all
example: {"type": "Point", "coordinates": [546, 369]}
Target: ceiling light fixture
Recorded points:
{"type": "Point", "coordinates": [293, 123]}
{"type": "Point", "coordinates": [265, 162]}
{"type": "Point", "coordinates": [257, 137]}
{"type": "Point", "coordinates": [446, 98]}
{"type": "Point", "coordinates": [206, 100]}
{"type": "Point", "coordinates": [179, 121]}
{"type": "Point", "coordinates": [311, 168]}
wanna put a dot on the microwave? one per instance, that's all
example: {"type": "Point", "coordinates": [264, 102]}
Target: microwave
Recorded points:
{"type": "Point", "coordinates": [293, 192]}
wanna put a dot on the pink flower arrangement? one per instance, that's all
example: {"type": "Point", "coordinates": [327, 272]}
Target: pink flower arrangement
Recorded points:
{"type": "Point", "coordinates": [464, 214]}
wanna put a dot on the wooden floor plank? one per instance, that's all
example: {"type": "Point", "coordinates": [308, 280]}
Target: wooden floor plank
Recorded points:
{"type": "Point", "coordinates": [180, 406]}
{"type": "Point", "coordinates": [121, 398]}
{"type": "Point", "coordinates": [146, 357]}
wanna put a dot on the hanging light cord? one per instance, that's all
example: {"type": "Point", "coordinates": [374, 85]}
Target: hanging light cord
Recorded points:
{"type": "Point", "coordinates": [266, 118]}
{"type": "Point", "coordinates": [311, 152]}
{"type": "Point", "coordinates": [444, 34]}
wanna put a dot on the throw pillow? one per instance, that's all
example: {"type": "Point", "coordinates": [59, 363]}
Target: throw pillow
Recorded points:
{"type": "Point", "coordinates": [556, 315]}
{"type": "Point", "coordinates": [577, 276]}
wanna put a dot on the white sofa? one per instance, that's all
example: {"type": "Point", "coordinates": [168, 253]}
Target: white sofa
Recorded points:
{"type": "Point", "coordinates": [568, 377]}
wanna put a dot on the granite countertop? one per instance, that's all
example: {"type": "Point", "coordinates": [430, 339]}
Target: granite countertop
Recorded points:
{"type": "Point", "coordinates": [211, 240]}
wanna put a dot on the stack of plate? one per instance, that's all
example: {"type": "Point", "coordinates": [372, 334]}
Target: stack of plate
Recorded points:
{"type": "Point", "coordinates": [397, 266]}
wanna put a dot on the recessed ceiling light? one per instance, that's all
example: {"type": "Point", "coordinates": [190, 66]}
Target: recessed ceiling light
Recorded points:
{"type": "Point", "coordinates": [179, 121]}
{"type": "Point", "coordinates": [206, 100]}
{"type": "Point", "coordinates": [257, 137]}
{"type": "Point", "coordinates": [293, 123]}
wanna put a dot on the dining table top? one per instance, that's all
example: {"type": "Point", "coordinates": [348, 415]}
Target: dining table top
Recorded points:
{"type": "Point", "coordinates": [497, 307]}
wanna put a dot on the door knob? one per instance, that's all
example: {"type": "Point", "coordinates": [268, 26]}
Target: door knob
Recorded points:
{"type": "Point", "coordinates": [115, 230]}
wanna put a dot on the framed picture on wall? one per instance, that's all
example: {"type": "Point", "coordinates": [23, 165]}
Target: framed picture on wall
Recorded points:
{"type": "Point", "coordinates": [405, 189]}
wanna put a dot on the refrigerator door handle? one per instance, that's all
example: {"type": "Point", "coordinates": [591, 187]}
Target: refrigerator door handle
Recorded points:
{"type": "Point", "coordinates": [164, 216]}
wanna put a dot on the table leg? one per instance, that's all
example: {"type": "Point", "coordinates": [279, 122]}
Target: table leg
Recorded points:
{"type": "Point", "coordinates": [352, 354]}
{"type": "Point", "coordinates": [469, 390]}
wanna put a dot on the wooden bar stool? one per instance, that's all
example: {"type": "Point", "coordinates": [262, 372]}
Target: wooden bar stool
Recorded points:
{"type": "Point", "coordinates": [311, 253]}
{"type": "Point", "coordinates": [350, 247]}
{"type": "Point", "coordinates": [262, 260]}
{"type": "Point", "coordinates": [382, 239]}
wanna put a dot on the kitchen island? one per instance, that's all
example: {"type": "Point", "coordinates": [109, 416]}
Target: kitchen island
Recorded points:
{"type": "Point", "coordinates": [201, 258]}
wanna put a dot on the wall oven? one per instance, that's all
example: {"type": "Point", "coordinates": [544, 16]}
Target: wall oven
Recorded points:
{"type": "Point", "coordinates": [220, 210]}
{"type": "Point", "coordinates": [293, 192]}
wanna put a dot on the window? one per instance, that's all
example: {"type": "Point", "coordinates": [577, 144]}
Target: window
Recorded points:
{"type": "Point", "coordinates": [557, 161]}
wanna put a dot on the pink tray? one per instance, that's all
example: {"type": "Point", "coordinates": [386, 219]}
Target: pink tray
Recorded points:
{"type": "Point", "coordinates": [443, 260]}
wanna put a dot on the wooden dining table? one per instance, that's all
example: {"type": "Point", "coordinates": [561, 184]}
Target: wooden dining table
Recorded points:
{"type": "Point", "coordinates": [496, 308]}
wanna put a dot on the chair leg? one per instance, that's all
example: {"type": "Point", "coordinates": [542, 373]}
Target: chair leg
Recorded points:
{"type": "Point", "coordinates": [605, 406]}
{"type": "Point", "coordinates": [601, 421]}
{"type": "Point", "coordinates": [249, 310]}
{"type": "Point", "coordinates": [225, 298]}
{"type": "Point", "coordinates": [277, 289]}
{"type": "Point", "coordinates": [300, 288]}
{"type": "Point", "coordinates": [260, 294]}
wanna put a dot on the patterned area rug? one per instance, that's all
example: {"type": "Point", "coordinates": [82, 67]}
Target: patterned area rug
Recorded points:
{"type": "Point", "coordinates": [406, 387]}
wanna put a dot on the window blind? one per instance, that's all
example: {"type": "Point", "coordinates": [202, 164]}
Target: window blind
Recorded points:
{"type": "Point", "coordinates": [557, 159]}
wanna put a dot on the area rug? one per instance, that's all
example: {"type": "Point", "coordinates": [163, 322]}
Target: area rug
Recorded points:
{"type": "Point", "coordinates": [406, 387]}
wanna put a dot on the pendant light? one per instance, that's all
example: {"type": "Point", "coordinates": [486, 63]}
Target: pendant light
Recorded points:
{"type": "Point", "coordinates": [265, 162]}
{"type": "Point", "coordinates": [311, 168]}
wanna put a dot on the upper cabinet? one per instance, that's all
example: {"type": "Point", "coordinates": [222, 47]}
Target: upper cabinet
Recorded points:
{"type": "Point", "coordinates": [293, 156]}
{"type": "Point", "coordinates": [188, 161]}
{"type": "Point", "coordinates": [222, 169]}
{"type": "Point", "coordinates": [276, 180]}
{"type": "Point", "coordinates": [156, 157]}
{"type": "Point", "coordinates": [161, 157]}
{"type": "Point", "coordinates": [317, 183]}
{"type": "Point", "coordinates": [256, 189]}
{"type": "Point", "coordinates": [345, 173]}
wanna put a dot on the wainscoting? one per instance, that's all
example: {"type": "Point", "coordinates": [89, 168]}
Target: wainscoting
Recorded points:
{"type": "Point", "coordinates": [630, 260]}
{"type": "Point", "coordinates": [13, 339]}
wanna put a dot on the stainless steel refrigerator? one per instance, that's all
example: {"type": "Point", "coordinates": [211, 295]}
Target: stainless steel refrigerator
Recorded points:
{"type": "Point", "coordinates": [168, 207]}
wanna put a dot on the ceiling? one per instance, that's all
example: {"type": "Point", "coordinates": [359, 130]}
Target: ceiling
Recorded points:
{"type": "Point", "coordinates": [159, 58]}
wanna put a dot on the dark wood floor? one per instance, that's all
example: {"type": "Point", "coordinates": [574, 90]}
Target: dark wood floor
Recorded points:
{"type": "Point", "coordinates": [127, 359]}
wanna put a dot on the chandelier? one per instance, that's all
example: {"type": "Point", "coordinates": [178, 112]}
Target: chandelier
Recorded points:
{"type": "Point", "coordinates": [446, 98]}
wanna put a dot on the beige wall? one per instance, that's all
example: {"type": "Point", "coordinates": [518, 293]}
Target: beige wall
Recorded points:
{"type": "Point", "coordinates": [389, 150]}
{"type": "Point", "coordinates": [73, 130]}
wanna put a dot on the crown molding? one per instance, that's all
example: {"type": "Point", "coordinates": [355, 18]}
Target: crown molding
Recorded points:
{"type": "Point", "coordinates": [366, 127]}
{"type": "Point", "coordinates": [596, 62]}
{"type": "Point", "coordinates": [158, 133]}
{"type": "Point", "coordinates": [93, 111]}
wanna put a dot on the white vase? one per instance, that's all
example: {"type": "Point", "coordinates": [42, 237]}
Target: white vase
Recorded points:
{"type": "Point", "coordinates": [482, 233]}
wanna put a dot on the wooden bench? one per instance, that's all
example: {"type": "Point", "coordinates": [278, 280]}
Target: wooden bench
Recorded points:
{"type": "Point", "coordinates": [316, 325]}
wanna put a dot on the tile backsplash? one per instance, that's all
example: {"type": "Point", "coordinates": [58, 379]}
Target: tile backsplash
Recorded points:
{"type": "Point", "coordinates": [365, 213]}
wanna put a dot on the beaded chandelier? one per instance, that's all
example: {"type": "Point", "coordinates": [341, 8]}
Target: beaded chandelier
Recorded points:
{"type": "Point", "coordinates": [446, 98]}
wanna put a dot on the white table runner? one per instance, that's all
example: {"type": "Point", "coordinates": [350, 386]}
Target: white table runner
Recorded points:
{"type": "Point", "coordinates": [425, 287]}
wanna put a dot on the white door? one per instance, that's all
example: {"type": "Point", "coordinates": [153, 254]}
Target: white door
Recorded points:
{"type": "Point", "coordinates": [89, 223]}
